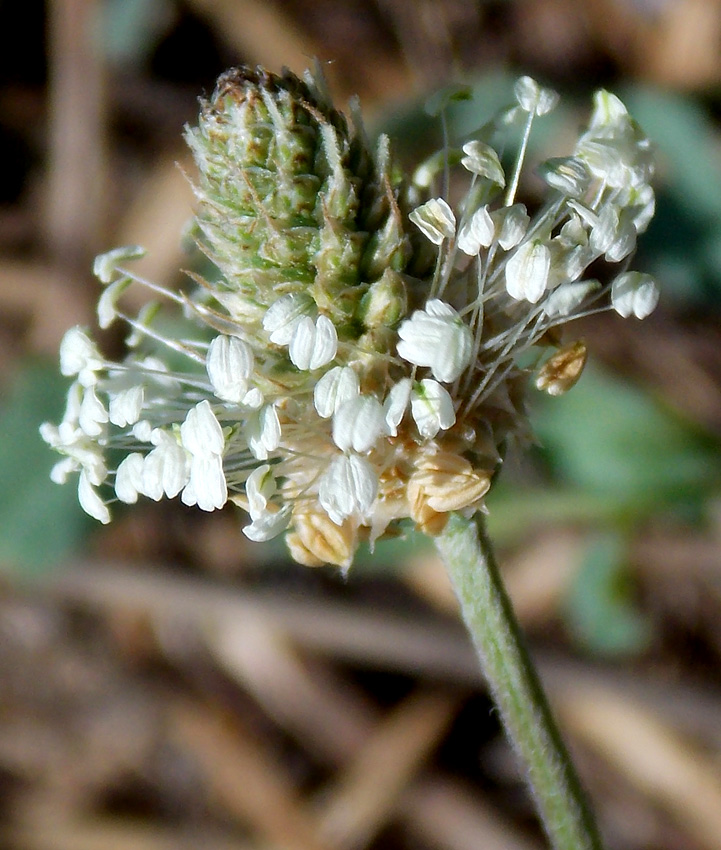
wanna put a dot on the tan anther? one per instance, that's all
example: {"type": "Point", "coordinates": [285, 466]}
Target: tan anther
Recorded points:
{"type": "Point", "coordinates": [324, 540]}
{"type": "Point", "coordinates": [450, 483]}
{"type": "Point", "coordinates": [299, 553]}
{"type": "Point", "coordinates": [561, 371]}
{"type": "Point", "coordinates": [428, 520]}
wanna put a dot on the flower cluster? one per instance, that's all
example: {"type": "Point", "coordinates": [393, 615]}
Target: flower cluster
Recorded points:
{"type": "Point", "coordinates": [364, 353]}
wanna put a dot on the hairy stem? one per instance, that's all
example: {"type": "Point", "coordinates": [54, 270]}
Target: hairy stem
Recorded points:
{"type": "Point", "coordinates": [516, 688]}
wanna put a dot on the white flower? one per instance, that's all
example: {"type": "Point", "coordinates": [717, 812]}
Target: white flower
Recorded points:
{"type": "Point", "coordinates": [358, 424]}
{"type": "Point", "coordinates": [527, 271]}
{"type": "Point", "coordinates": [338, 385]}
{"type": "Point", "coordinates": [129, 478]}
{"type": "Point", "coordinates": [634, 293]}
{"type": "Point", "coordinates": [165, 469]}
{"type": "Point", "coordinates": [348, 487]}
{"type": "Point", "coordinates": [206, 485]}
{"type": "Point", "coordinates": [568, 297]}
{"type": "Point", "coordinates": [532, 98]}
{"type": "Point", "coordinates": [431, 408]}
{"type": "Point", "coordinates": [79, 356]}
{"type": "Point", "coordinates": [202, 436]}
{"type": "Point", "coordinates": [568, 174]}
{"type": "Point", "coordinates": [481, 159]}
{"type": "Point", "coordinates": [435, 219]}
{"type": "Point", "coordinates": [268, 525]}
{"type": "Point", "coordinates": [90, 501]}
{"type": "Point", "coordinates": [314, 344]}
{"type": "Point", "coordinates": [283, 316]}
{"type": "Point", "coordinates": [437, 337]}
{"type": "Point", "coordinates": [262, 431]}
{"type": "Point", "coordinates": [260, 488]}
{"type": "Point", "coordinates": [126, 405]}
{"type": "Point", "coordinates": [142, 430]}
{"type": "Point", "coordinates": [106, 265]}
{"type": "Point", "coordinates": [80, 450]}
{"type": "Point", "coordinates": [229, 365]}
{"type": "Point", "coordinates": [92, 415]}
{"type": "Point", "coordinates": [201, 433]}
{"type": "Point", "coordinates": [609, 113]}
{"type": "Point", "coordinates": [106, 309]}
{"type": "Point", "coordinates": [396, 404]}
{"type": "Point", "coordinates": [511, 225]}
{"type": "Point", "coordinates": [477, 232]}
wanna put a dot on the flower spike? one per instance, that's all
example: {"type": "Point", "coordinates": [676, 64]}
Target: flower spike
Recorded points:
{"type": "Point", "coordinates": [360, 357]}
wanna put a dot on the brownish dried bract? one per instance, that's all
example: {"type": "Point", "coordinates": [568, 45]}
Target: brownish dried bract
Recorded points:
{"type": "Point", "coordinates": [561, 371]}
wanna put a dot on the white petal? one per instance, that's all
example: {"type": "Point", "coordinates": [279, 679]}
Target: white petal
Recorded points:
{"type": "Point", "coordinates": [564, 300]}
{"type": "Point", "coordinates": [201, 433]}
{"type": "Point", "coordinates": [166, 468]}
{"type": "Point", "coordinates": [313, 344]}
{"type": "Point", "coordinates": [262, 430]}
{"type": "Point", "coordinates": [435, 220]}
{"type": "Point", "coordinates": [431, 408]}
{"type": "Point", "coordinates": [125, 406]}
{"type": "Point", "coordinates": [338, 385]}
{"type": "Point", "coordinates": [477, 232]}
{"type": "Point", "coordinates": [269, 525]}
{"type": "Point", "coordinates": [608, 111]}
{"type": "Point", "coordinates": [358, 424]}
{"type": "Point", "coordinates": [90, 501]}
{"type": "Point", "coordinates": [282, 317]}
{"type": "Point", "coordinates": [105, 265]}
{"type": "Point", "coordinates": [604, 232]}
{"type": "Point", "coordinates": [92, 415]}
{"type": "Point", "coordinates": [511, 225]}
{"type": "Point", "coordinates": [527, 271]}
{"type": "Point", "coordinates": [483, 160]}
{"type": "Point", "coordinates": [142, 431]}
{"type": "Point", "coordinates": [259, 488]}
{"type": "Point", "coordinates": [253, 399]}
{"type": "Point", "coordinates": [634, 293]}
{"type": "Point", "coordinates": [106, 303]}
{"type": "Point", "coordinates": [79, 355]}
{"type": "Point", "coordinates": [532, 98]}
{"type": "Point", "coordinates": [436, 337]}
{"type": "Point", "coordinates": [206, 486]}
{"type": "Point", "coordinates": [396, 404]}
{"type": "Point", "coordinates": [129, 478]}
{"type": "Point", "coordinates": [63, 469]}
{"type": "Point", "coordinates": [348, 487]}
{"type": "Point", "coordinates": [229, 364]}
{"type": "Point", "coordinates": [567, 174]}
{"type": "Point", "coordinates": [624, 241]}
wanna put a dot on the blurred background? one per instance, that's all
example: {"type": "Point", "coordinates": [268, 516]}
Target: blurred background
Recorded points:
{"type": "Point", "coordinates": [167, 684]}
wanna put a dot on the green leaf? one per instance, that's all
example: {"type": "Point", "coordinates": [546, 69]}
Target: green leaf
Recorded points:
{"type": "Point", "coordinates": [609, 438]}
{"type": "Point", "coordinates": [599, 610]}
{"type": "Point", "coordinates": [40, 522]}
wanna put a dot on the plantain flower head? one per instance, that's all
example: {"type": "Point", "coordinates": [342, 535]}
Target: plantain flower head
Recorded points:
{"type": "Point", "coordinates": [362, 353]}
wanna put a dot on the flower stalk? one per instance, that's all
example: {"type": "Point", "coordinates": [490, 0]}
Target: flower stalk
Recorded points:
{"type": "Point", "coordinates": [526, 716]}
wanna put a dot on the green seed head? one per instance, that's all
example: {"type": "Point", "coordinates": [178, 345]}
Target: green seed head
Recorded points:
{"type": "Point", "coordinates": [291, 198]}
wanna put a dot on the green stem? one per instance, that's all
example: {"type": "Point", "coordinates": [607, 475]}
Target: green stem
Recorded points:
{"type": "Point", "coordinates": [515, 686]}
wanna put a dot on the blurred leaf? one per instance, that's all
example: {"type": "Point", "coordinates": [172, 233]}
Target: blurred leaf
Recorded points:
{"type": "Point", "coordinates": [131, 28]}
{"type": "Point", "coordinates": [609, 438]}
{"type": "Point", "coordinates": [683, 243]}
{"type": "Point", "coordinates": [599, 611]}
{"type": "Point", "coordinates": [40, 522]}
{"type": "Point", "coordinates": [514, 510]}
{"type": "Point", "coordinates": [441, 100]}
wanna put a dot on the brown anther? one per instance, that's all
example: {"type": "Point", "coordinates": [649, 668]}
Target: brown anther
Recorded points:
{"type": "Point", "coordinates": [561, 371]}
